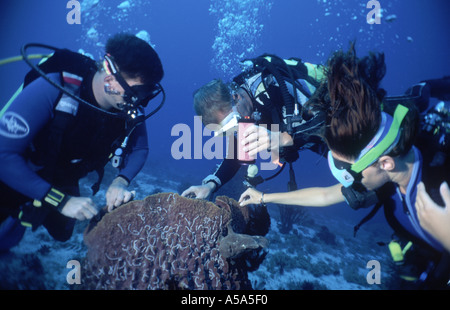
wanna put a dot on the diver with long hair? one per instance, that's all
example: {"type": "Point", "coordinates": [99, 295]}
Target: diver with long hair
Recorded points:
{"type": "Point", "coordinates": [371, 152]}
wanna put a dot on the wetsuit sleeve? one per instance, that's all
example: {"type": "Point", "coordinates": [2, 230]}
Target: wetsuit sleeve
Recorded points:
{"type": "Point", "coordinates": [226, 170]}
{"type": "Point", "coordinates": [224, 173]}
{"type": "Point", "coordinates": [19, 124]}
{"type": "Point", "coordinates": [137, 157]}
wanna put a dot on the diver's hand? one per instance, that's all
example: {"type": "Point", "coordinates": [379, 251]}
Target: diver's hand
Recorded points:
{"type": "Point", "coordinates": [200, 191]}
{"type": "Point", "coordinates": [118, 194]}
{"type": "Point", "coordinates": [259, 139]}
{"type": "Point", "coordinates": [432, 217]}
{"type": "Point", "coordinates": [80, 208]}
{"type": "Point", "coordinates": [250, 196]}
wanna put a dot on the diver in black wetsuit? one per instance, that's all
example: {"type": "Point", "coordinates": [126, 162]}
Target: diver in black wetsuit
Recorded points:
{"type": "Point", "coordinates": [49, 140]}
{"type": "Point", "coordinates": [272, 92]}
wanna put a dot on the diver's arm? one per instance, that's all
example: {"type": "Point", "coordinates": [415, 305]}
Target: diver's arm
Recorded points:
{"type": "Point", "coordinates": [308, 197]}
{"type": "Point", "coordinates": [224, 173]}
{"type": "Point", "coordinates": [227, 169]}
{"type": "Point", "coordinates": [229, 166]}
{"type": "Point", "coordinates": [21, 121]}
{"type": "Point", "coordinates": [19, 124]}
{"type": "Point", "coordinates": [136, 158]}
{"type": "Point", "coordinates": [312, 196]}
{"type": "Point", "coordinates": [118, 193]}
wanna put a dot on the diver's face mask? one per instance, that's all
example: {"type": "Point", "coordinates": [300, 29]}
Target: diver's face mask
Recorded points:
{"type": "Point", "coordinates": [228, 124]}
{"type": "Point", "coordinates": [382, 143]}
{"type": "Point", "coordinates": [342, 171]}
{"type": "Point", "coordinates": [134, 96]}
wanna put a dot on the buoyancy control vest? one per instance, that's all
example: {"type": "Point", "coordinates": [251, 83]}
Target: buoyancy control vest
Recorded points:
{"type": "Point", "coordinates": [78, 139]}
{"type": "Point", "coordinates": [279, 89]}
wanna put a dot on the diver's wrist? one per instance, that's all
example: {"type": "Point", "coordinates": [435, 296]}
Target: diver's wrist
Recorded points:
{"type": "Point", "coordinates": [211, 185]}
{"type": "Point", "coordinates": [214, 180]}
{"type": "Point", "coordinates": [121, 180]}
{"type": "Point", "coordinates": [285, 139]}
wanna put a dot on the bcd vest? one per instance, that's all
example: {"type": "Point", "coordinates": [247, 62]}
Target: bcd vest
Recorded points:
{"type": "Point", "coordinates": [79, 139]}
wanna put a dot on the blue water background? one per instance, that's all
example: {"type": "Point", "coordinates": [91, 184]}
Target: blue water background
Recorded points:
{"type": "Point", "coordinates": [416, 44]}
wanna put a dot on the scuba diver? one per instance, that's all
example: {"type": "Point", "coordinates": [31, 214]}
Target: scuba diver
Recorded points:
{"type": "Point", "coordinates": [372, 153]}
{"type": "Point", "coordinates": [72, 117]}
{"type": "Point", "coordinates": [271, 93]}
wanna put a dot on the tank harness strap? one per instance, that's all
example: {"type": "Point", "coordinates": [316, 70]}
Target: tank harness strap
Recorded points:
{"type": "Point", "coordinates": [64, 115]}
{"type": "Point", "coordinates": [368, 217]}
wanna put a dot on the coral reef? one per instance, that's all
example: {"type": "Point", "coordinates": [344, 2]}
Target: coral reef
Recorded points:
{"type": "Point", "coordinates": [15, 272]}
{"type": "Point", "coordinates": [290, 215]}
{"type": "Point", "coordinates": [166, 241]}
{"type": "Point", "coordinates": [234, 245]}
{"type": "Point", "coordinates": [326, 236]}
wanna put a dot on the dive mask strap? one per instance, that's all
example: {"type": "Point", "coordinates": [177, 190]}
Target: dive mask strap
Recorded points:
{"type": "Point", "coordinates": [130, 96]}
{"type": "Point", "coordinates": [386, 144]}
{"type": "Point", "coordinates": [134, 95]}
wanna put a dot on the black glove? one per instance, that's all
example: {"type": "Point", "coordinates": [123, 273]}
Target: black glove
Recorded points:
{"type": "Point", "coordinates": [31, 215]}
